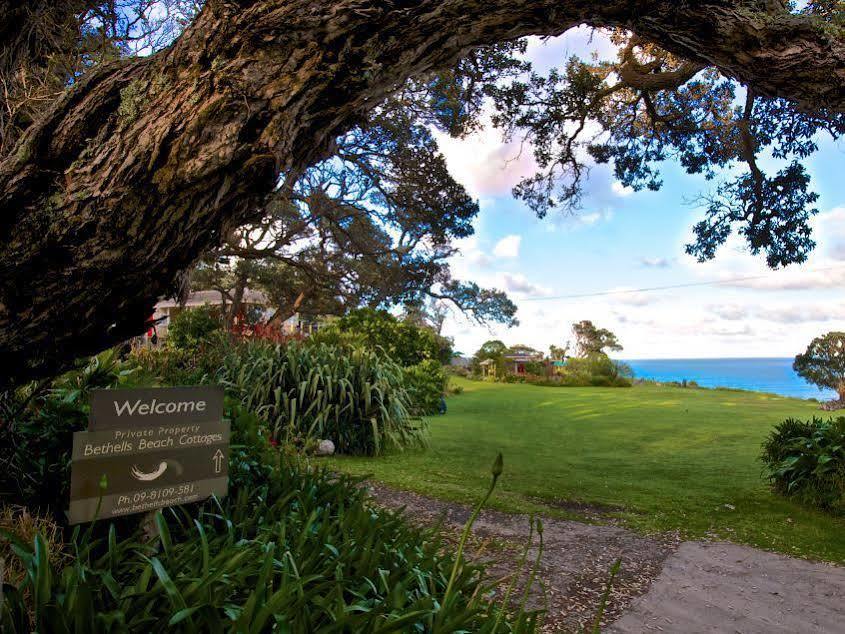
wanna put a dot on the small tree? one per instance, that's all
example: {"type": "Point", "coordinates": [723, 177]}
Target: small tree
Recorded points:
{"type": "Point", "coordinates": [823, 363]}
{"type": "Point", "coordinates": [494, 350]}
{"type": "Point", "coordinates": [559, 354]}
{"type": "Point", "coordinates": [590, 340]}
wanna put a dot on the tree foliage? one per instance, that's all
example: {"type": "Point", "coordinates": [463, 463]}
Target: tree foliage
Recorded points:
{"type": "Point", "coordinates": [493, 350]}
{"type": "Point", "coordinates": [405, 342]}
{"type": "Point", "coordinates": [373, 226]}
{"type": "Point", "coordinates": [590, 340]}
{"type": "Point", "coordinates": [823, 362]}
{"type": "Point", "coordinates": [557, 353]}
{"type": "Point", "coordinates": [648, 106]}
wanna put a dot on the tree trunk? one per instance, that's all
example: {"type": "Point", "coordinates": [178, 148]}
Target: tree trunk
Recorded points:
{"type": "Point", "coordinates": [146, 163]}
{"type": "Point", "coordinates": [237, 301]}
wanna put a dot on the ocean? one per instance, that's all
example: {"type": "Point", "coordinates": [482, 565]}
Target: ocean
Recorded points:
{"type": "Point", "coordinates": [761, 375]}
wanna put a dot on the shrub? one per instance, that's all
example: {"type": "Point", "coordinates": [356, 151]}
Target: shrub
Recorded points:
{"type": "Point", "coordinates": [426, 384]}
{"type": "Point", "coordinates": [536, 368]}
{"type": "Point", "coordinates": [806, 460]}
{"type": "Point", "coordinates": [175, 365]}
{"type": "Point", "coordinates": [597, 370]}
{"type": "Point", "coordinates": [404, 342]}
{"type": "Point", "coordinates": [36, 432]}
{"type": "Point", "coordinates": [355, 398]}
{"type": "Point", "coordinates": [302, 552]}
{"type": "Point", "coordinates": [190, 328]}
{"type": "Point", "coordinates": [249, 447]}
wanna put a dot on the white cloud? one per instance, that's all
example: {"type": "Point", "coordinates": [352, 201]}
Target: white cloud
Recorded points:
{"type": "Point", "coordinates": [590, 219]}
{"type": "Point", "coordinates": [621, 190]}
{"type": "Point", "coordinates": [656, 263]}
{"type": "Point", "coordinates": [484, 164]}
{"type": "Point", "coordinates": [470, 258]}
{"type": "Point", "coordinates": [518, 283]}
{"type": "Point", "coordinates": [789, 279]}
{"type": "Point", "coordinates": [508, 247]}
{"type": "Point", "coordinates": [837, 251]}
{"type": "Point", "coordinates": [629, 297]}
{"type": "Point", "coordinates": [577, 220]}
{"type": "Point", "coordinates": [730, 312]}
{"type": "Point", "coordinates": [547, 53]}
{"type": "Point", "coordinates": [780, 313]}
{"type": "Point", "coordinates": [824, 269]}
{"type": "Point", "coordinates": [829, 232]}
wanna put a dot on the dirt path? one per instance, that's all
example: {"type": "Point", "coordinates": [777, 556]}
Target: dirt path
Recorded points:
{"type": "Point", "coordinates": [665, 585]}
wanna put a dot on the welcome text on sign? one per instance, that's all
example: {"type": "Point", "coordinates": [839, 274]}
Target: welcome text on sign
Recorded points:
{"type": "Point", "coordinates": [155, 407]}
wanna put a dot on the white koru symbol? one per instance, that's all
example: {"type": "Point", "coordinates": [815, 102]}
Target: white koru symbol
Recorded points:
{"type": "Point", "coordinates": [152, 475]}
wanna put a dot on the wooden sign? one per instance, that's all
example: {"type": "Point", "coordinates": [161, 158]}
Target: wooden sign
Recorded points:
{"type": "Point", "coordinates": [150, 448]}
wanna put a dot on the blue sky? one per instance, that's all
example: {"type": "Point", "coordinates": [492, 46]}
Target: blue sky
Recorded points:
{"type": "Point", "coordinates": [631, 240]}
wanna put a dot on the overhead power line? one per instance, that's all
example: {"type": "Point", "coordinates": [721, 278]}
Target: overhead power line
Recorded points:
{"type": "Point", "coordinates": [671, 287]}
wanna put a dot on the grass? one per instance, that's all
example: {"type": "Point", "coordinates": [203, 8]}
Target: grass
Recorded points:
{"type": "Point", "coordinates": [662, 459]}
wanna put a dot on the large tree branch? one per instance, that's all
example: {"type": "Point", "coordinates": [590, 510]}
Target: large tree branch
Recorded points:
{"type": "Point", "coordinates": [147, 163]}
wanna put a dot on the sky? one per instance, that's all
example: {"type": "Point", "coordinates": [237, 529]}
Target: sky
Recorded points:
{"type": "Point", "coordinates": [622, 240]}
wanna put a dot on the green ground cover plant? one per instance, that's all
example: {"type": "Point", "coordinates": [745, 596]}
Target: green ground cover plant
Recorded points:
{"type": "Point", "coordinates": [656, 458]}
{"type": "Point", "coordinates": [300, 550]}
{"type": "Point", "coordinates": [293, 548]}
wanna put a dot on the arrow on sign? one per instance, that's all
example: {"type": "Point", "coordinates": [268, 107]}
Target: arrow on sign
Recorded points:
{"type": "Point", "coordinates": [218, 461]}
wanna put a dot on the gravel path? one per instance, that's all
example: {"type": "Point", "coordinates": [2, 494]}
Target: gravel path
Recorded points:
{"type": "Point", "coordinates": [720, 587]}
{"type": "Point", "coordinates": [665, 585]}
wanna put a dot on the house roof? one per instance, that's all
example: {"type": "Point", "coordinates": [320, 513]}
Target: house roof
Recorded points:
{"type": "Point", "coordinates": [213, 298]}
{"type": "Point", "coordinates": [524, 355]}
{"type": "Point", "coordinates": [487, 362]}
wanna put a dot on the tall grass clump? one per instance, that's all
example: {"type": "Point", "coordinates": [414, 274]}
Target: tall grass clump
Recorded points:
{"type": "Point", "coordinates": [352, 396]}
{"type": "Point", "coordinates": [806, 460]}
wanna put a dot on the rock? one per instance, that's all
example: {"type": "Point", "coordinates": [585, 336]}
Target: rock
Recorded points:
{"type": "Point", "coordinates": [325, 448]}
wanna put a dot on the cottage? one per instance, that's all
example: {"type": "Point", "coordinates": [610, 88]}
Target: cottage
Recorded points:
{"type": "Point", "coordinates": [166, 309]}
{"type": "Point", "coordinates": [517, 358]}
{"type": "Point", "coordinates": [254, 304]}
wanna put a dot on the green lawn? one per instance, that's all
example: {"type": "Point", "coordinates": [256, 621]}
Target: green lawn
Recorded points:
{"type": "Point", "coordinates": [671, 458]}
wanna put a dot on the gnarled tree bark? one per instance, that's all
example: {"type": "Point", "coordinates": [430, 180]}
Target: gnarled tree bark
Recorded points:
{"type": "Point", "coordinates": [146, 163]}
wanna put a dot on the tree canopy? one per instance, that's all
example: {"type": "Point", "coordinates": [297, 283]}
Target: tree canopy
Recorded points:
{"type": "Point", "coordinates": [823, 362]}
{"type": "Point", "coordinates": [116, 177]}
{"type": "Point", "coordinates": [404, 341]}
{"type": "Point", "coordinates": [373, 225]}
{"type": "Point", "coordinates": [590, 340]}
